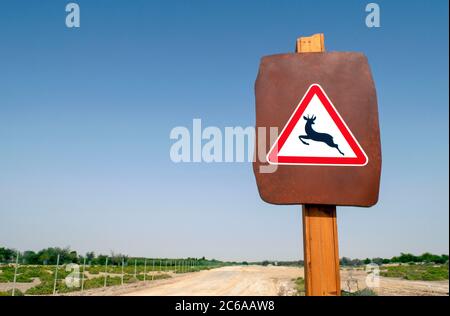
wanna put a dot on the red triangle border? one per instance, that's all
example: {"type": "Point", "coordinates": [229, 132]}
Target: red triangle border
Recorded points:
{"type": "Point", "coordinates": [361, 158]}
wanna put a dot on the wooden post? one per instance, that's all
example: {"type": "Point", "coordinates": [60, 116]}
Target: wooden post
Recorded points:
{"type": "Point", "coordinates": [320, 239]}
{"type": "Point", "coordinates": [310, 44]}
{"type": "Point", "coordinates": [320, 244]}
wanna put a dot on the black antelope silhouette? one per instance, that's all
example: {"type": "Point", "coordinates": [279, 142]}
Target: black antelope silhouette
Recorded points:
{"type": "Point", "coordinates": [318, 137]}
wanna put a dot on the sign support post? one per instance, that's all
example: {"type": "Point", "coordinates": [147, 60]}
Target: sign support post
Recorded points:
{"type": "Point", "coordinates": [320, 239]}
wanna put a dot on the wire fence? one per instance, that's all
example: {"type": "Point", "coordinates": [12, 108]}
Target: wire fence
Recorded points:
{"type": "Point", "coordinates": [64, 277]}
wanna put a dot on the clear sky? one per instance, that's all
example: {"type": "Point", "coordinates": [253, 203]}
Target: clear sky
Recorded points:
{"type": "Point", "coordinates": [85, 117]}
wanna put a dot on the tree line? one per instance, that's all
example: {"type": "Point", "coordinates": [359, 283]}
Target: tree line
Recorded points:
{"type": "Point", "coordinates": [49, 256]}
{"type": "Point", "coordinates": [349, 262]}
{"type": "Point", "coordinates": [403, 258]}
{"type": "Point", "coordinates": [66, 255]}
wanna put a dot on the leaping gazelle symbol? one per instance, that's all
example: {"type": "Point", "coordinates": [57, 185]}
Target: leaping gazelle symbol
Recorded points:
{"type": "Point", "coordinates": [318, 137]}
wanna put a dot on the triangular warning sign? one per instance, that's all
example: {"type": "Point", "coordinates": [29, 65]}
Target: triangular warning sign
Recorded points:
{"type": "Point", "coordinates": [316, 134]}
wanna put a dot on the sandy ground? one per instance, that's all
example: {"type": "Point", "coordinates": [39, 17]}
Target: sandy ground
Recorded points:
{"type": "Point", "coordinates": [20, 286]}
{"type": "Point", "coordinates": [352, 280]}
{"type": "Point", "coordinates": [253, 280]}
{"type": "Point", "coordinates": [228, 281]}
{"type": "Point", "coordinates": [258, 280]}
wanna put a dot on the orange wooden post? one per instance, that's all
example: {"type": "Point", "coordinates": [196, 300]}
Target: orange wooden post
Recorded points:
{"type": "Point", "coordinates": [310, 44]}
{"type": "Point", "coordinates": [320, 239]}
{"type": "Point", "coordinates": [320, 243]}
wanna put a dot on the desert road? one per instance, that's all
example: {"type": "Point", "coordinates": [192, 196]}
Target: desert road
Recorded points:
{"type": "Point", "coordinates": [261, 281]}
{"type": "Point", "coordinates": [228, 281]}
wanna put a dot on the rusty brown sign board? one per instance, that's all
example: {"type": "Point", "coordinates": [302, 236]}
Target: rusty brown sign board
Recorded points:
{"type": "Point", "coordinates": [282, 84]}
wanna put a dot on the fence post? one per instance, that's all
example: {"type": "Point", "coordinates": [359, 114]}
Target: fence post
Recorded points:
{"type": "Point", "coordinates": [153, 269]}
{"type": "Point", "coordinates": [82, 276]}
{"type": "Point", "coordinates": [56, 275]}
{"type": "Point", "coordinates": [145, 269]}
{"type": "Point", "coordinates": [15, 274]}
{"type": "Point", "coordinates": [106, 271]}
{"type": "Point", "coordinates": [123, 262]}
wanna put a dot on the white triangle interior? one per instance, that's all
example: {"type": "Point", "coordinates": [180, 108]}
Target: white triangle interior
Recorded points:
{"type": "Point", "coordinates": [323, 124]}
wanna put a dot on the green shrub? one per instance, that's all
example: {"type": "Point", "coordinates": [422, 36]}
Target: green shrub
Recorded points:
{"type": "Point", "coordinates": [9, 293]}
{"type": "Point", "coordinates": [300, 286]}
{"type": "Point", "coordinates": [44, 288]}
{"type": "Point", "coordinates": [425, 272]}
{"type": "Point", "coordinates": [363, 292]}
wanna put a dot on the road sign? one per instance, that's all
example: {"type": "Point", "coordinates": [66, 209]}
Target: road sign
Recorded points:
{"type": "Point", "coordinates": [343, 105]}
{"type": "Point", "coordinates": [320, 135]}
{"type": "Point", "coordinates": [316, 134]}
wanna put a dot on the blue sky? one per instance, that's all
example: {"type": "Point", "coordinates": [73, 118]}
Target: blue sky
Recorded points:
{"type": "Point", "coordinates": [85, 117]}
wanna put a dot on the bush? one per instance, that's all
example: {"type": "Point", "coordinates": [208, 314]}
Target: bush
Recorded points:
{"type": "Point", "coordinates": [24, 274]}
{"type": "Point", "coordinates": [9, 293]}
{"type": "Point", "coordinates": [363, 292]}
{"type": "Point", "coordinates": [41, 289]}
{"type": "Point", "coordinates": [425, 272]}
{"type": "Point", "coordinates": [300, 286]}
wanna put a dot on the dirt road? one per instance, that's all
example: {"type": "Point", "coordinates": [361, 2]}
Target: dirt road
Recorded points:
{"type": "Point", "coordinates": [261, 281]}
{"type": "Point", "coordinates": [234, 280]}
